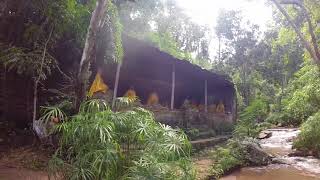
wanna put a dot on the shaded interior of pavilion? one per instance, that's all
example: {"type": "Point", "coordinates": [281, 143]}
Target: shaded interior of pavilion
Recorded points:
{"type": "Point", "coordinates": [148, 70]}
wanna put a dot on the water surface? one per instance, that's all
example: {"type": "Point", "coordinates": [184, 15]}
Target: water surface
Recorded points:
{"type": "Point", "coordinates": [280, 145]}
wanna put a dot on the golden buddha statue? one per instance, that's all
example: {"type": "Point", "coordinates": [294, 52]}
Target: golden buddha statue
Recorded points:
{"type": "Point", "coordinates": [131, 94]}
{"type": "Point", "coordinates": [153, 99]}
{"type": "Point", "coordinates": [220, 108]}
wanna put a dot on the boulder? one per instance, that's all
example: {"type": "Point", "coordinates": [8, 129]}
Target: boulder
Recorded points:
{"type": "Point", "coordinates": [278, 161]}
{"type": "Point", "coordinates": [264, 134]}
{"type": "Point", "coordinates": [254, 155]}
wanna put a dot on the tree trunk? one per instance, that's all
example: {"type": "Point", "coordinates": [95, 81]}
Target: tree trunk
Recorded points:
{"type": "Point", "coordinates": [88, 51]}
{"type": "Point", "coordinates": [206, 96]}
{"type": "Point", "coordinates": [312, 47]}
{"type": "Point", "coordinates": [116, 84]}
{"type": "Point", "coordinates": [173, 84]}
{"type": "Point", "coordinates": [35, 100]}
{"type": "Point", "coordinates": [38, 79]}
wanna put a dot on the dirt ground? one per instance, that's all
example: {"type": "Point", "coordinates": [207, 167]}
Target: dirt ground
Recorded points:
{"type": "Point", "coordinates": [203, 168]}
{"type": "Point", "coordinates": [24, 163]}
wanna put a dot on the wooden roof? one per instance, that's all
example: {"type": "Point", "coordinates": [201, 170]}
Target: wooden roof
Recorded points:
{"type": "Point", "coordinates": [149, 69]}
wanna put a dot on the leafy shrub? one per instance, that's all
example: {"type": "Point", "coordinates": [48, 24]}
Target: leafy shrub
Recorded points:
{"type": "Point", "coordinates": [280, 117]}
{"type": "Point", "coordinates": [98, 143]}
{"type": "Point", "coordinates": [249, 118]}
{"type": "Point", "coordinates": [238, 153]}
{"type": "Point", "coordinates": [52, 112]}
{"type": "Point", "coordinates": [224, 128]}
{"type": "Point", "coordinates": [303, 98]}
{"type": "Point", "coordinates": [192, 133]}
{"type": "Point", "coordinates": [225, 160]}
{"type": "Point", "coordinates": [309, 138]}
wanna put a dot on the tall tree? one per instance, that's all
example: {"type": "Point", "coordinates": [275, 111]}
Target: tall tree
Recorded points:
{"type": "Point", "coordinates": [311, 45]}
{"type": "Point", "coordinates": [96, 22]}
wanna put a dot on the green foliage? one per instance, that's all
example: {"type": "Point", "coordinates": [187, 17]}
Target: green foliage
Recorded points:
{"type": "Point", "coordinates": [27, 61]}
{"type": "Point", "coordinates": [224, 128]}
{"type": "Point", "coordinates": [116, 31]}
{"type": "Point", "coordinates": [192, 133]}
{"type": "Point", "coordinates": [226, 160]}
{"type": "Point", "coordinates": [167, 26]}
{"type": "Point", "coordinates": [248, 125]}
{"type": "Point", "coordinates": [309, 137]}
{"type": "Point", "coordinates": [303, 97]}
{"type": "Point", "coordinates": [237, 153]}
{"type": "Point", "coordinates": [282, 118]}
{"type": "Point", "coordinates": [167, 44]}
{"type": "Point", "coordinates": [98, 143]}
{"type": "Point", "coordinates": [52, 112]}
{"type": "Point", "coordinates": [231, 156]}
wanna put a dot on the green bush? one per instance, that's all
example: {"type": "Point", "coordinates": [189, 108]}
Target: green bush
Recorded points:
{"type": "Point", "coordinates": [303, 99]}
{"type": "Point", "coordinates": [309, 137]}
{"type": "Point", "coordinates": [248, 124]}
{"type": "Point", "coordinates": [282, 118]}
{"type": "Point", "coordinates": [192, 133]}
{"type": "Point", "coordinates": [98, 144]}
{"type": "Point", "coordinates": [226, 159]}
{"type": "Point", "coordinates": [224, 128]}
{"type": "Point", "coordinates": [237, 153]}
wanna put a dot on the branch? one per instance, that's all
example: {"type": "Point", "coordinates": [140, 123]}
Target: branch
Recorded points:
{"type": "Point", "coordinates": [314, 51]}
{"type": "Point", "coordinates": [44, 56]}
{"type": "Point", "coordinates": [312, 34]}
{"type": "Point", "coordinates": [91, 35]}
{"type": "Point", "coordinates": [296, 2]}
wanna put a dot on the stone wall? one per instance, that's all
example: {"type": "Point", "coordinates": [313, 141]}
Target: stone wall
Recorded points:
{"type": "Point", "coordinates": [192, 118]}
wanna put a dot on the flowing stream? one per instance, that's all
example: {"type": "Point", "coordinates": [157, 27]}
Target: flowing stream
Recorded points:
{"type": "Point", "coordinates": [280, 145]}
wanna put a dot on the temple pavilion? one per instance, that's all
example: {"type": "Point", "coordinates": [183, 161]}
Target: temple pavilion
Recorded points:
{"type": "Point", "coordinates": [149, 70]}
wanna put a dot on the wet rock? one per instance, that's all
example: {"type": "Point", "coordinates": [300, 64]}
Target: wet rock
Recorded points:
{"type": "Point", "coordinates": [298, 153]}
{"type": "Point", "coordinates": [254, 154]}
{"type": "Point", "coordinates": [290, 139]}
{"type": "Point", "coordinates": [264, 134]}
{"type": "Point", "coordinates": [278, 161]}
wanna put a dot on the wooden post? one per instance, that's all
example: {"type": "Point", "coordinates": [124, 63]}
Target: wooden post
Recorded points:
{"type": "Point", "coordinates": [116, 84]}
{"type": "Point", "coordinates": [173, 81]}
{"type": "Point", "coordinates": [206, 96]}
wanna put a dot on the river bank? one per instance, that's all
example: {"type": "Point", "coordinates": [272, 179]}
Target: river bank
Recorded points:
{"type": "Point", "coordinates": [280, 146]}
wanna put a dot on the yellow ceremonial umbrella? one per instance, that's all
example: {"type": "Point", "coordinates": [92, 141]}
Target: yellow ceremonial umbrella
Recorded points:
{"type": "Point", "coordinates": [98, 85]}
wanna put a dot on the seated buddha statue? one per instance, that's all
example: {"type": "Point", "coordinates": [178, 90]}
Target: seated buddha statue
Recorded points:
{"type": "Point", "coordinates": [220, 108]}
{"type": "Point", "coordinates": [131, 94]}
{"type": "Point", "coordinates": [153, 99]}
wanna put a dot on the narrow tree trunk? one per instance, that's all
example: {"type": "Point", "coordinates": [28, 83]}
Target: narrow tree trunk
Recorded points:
{"type": "Point", "coordinates": [173, 86]}
{"type": "Point", "coordinates": [38, 79]}
{"type": "Point", "coordinates": [206, 96]}
{"type": "Point", "coordinates": [35, 100]}
{"type": "Point", "coordinates": [116, 84]}
{"type": "Point", "coordinates": [88, 51]}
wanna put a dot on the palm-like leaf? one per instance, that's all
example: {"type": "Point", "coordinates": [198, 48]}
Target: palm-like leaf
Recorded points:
{"type": "Point", "coordinates": [101, 144]}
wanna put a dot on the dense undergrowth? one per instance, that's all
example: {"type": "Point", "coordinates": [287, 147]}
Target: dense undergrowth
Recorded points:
{"type": "Point", "coordinates": [301, 106]}
{"type": "Point", "coordinates": [251, 120]}
{"type": "Point", "coordinates": [309, 138]}
{"type": "Point", "coordinates": [98, 143]}
{"type": "Point", "coordinates": [237, 153]}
